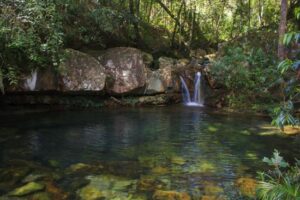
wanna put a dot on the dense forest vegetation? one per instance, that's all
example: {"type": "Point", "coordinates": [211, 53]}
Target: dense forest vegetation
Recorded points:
{"type": "Point", "coordinates": [34, 32]}
{"type": "Point", "coordinates": [249, 36]}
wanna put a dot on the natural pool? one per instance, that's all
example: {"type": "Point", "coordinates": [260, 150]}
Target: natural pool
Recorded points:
{"type": "Point", "coordinates": [134, 153]}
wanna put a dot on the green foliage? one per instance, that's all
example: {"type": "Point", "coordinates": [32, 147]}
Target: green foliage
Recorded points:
{"type": "Point", "coordinates": [276, 161]}
{"type": "Point", "coordinates": [282, 115]}
{"type": "Point", "coordinates": [30, 36]}
{"type": "Point", "coordinates": [246, 75]}
{"type": "Point", "coordinates": [281, 182]}
{"type": "Point", "coordinates": [288, 68]}
{"type": "Point", "coordinates": [284, 66]}
{"type": "Point", "coordinates": [297, 12]}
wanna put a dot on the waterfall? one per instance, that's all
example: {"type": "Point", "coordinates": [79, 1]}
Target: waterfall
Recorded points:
{"type": "Point", "coordinates": [197, 98]}
{"type": "Point", "coordinates": [31, 81]}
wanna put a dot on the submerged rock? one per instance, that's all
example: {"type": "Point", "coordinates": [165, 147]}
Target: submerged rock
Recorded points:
{"type": "Point", "coordinates": [211, 188]}
{"type": "Point", "coordinates": [72, 183]}
{"type": "Point", "coordinates": [202, 166]}
{"type": "Point", "coordinates": [33, 177]}
{"type": "Point", "coordinates": [107, 186]}
{"type": "Point", "coordinates": [150, 184]}
{"type": "Point", "coordinates": [56, 192]}
{"type": "Point", "coordinates": [178, 160]}
{"type": "Point", "coordinates": [90, 193]}
{"type": "Point", "coordinates": [212, 197]}
{"type": "Point", "coordinates": [170, 195]}
{"type": "Point", "coordinates": [41, 196]}
{"type": "Point", "coordinates": [160, 170]}
{"type": "Point", "coordinates": [27, 189]}
{"type": "Point", "coordinates": [146, 184]}
{"type": "Point", "coordinates": [247, 186]}
{"type": "Point", "coordinates": [78, 167]}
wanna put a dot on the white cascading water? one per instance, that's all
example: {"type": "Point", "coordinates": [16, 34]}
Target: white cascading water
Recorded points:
{"type": "Point", "coordinates": [197, 98]}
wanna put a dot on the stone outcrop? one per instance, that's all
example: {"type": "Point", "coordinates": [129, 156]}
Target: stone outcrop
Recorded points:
{"type": "Point", "coordinates": [120, 71]}
{"type": "Point", "coordinates": [79, 72]}
{"type": "Point", "coordinates": [126, 70]}
{"type": "Point", "coordinates": [82, 72]}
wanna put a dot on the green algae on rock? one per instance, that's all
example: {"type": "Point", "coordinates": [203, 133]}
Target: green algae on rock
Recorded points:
{"type": "Point", "coordinates": [170, 195]}
{"type": "Point", "coordinates": [90, 193]}
{"type": "Point", "coordinates": [41, 196]}
{"type": "Point", "coordinates": [27, 189]}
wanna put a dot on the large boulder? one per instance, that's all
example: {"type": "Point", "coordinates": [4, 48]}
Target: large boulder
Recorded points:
{"type": "Point", "coordinates": [81, 72]}
{"type": "Point", "coordinates": [126, 68]}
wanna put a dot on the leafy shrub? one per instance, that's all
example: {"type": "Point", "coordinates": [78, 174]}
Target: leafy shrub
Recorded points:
{"type": "Point", "coordinates": [283, 115]}
{"type": "Point", "coordinates": [246, 74]}
{"type": "Point", "coordinates": [290, 73]}
{"type": "Point", "coordinates": [281, 182]}
{"type": "Point", "coordinates": [30, 37]}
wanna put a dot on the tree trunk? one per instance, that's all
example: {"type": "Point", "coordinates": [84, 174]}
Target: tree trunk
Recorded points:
{"type": "Point", "coordinates": [281, 53]}
{"type": "Point", "coordinates": [135, 21]}
{"type": "Point", "coordinates": [249, 13]}
{"type": "Point", "coordinates": [176, 24]}
{"type": "Point", "coordinates": [168, 11]}
{"type": "Point", "coordinates": [150, 11]}
{"type": "Point", "coordinates": [192, 30]}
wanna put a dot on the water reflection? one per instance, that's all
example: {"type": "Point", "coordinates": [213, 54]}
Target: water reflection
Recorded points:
{"type": "Point", "coordinates": [202, 144]}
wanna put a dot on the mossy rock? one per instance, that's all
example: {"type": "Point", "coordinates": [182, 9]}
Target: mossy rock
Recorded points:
{"type": "Point", "coordinates": [56, 192]}
{"type": "Point", "coordinates": [178, 160]}
{"type": "Point", "coordinates": [212, 197]}
{"type": "Point", "coordinates": [90, 193]}
{"type": "Point", "coordinates": [78, 167]}
{"type": "Point", "coordinates": [211, 188]}
{"type": "Point", "coordinates": [27, 189]}
{"type": "Point", "coordinates": [41, 196]}
{"type": "Point", "coordinates": [170, 195]}
{"type": "Point", "coordinates": [160, 170]}
{"type": "Point", "coordinates": [33, 177]}
{"type": "Point", "coordinates": [247, 186]}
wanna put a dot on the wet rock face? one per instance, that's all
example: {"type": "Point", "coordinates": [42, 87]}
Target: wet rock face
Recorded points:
{"type": "Point", "coordinates": [126, 69]}
{"type": "Point", "coordinates": [154, 83]}
{"type": "Point", "coordinates": [171, 69]}
{"type": "Point", "coordinates": [81, 72]}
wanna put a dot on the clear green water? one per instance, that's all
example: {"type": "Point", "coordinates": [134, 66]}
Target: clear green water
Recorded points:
{"type": "Point", "coordinates": [177, 147]}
